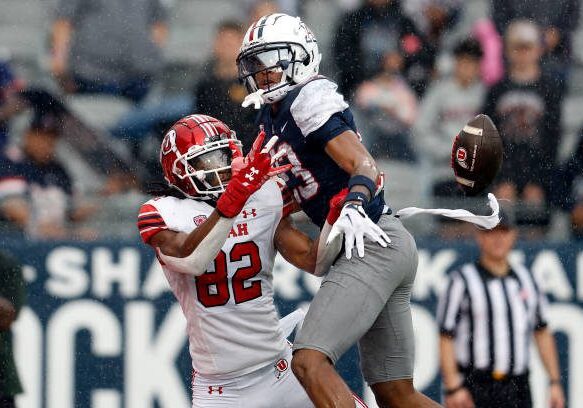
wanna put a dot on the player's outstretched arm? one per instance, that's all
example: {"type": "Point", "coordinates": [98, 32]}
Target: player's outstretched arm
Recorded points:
{"type": "Point", "coordinates": [353, 223]}
{"type": "Point", "coordinates": [351, 155]}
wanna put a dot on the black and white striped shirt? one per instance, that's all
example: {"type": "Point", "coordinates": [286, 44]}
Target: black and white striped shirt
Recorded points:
{"type": "Point", "coordinates": [492, 319]}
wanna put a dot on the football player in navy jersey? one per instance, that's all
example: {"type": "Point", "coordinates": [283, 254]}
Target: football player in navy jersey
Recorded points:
{"type": "Point", "coordinates": [362, 298]}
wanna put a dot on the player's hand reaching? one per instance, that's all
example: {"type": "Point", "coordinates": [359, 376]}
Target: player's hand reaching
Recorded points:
{"type": "Point", "coordinates": [251, 174]}
{"type": "Point", "coordinates": [239, 161]}
{"type": "Point", "coordinates": [354, 224]}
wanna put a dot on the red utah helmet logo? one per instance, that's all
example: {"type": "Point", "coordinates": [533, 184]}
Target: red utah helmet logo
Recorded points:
{"type": "Point", "coordinates": [169, 142]}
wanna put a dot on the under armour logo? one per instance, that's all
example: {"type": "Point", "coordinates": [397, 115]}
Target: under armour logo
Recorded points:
{"type": "Point", "coordinates": [252, 172]}
{"type": "Point", "coordinates": [218, 389]}
{"type": "Point", "coordinates": [252, 213]}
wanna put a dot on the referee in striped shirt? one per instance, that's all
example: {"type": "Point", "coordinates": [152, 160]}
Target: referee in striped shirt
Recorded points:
{"type": "Point", "coordinates": [487, 316]}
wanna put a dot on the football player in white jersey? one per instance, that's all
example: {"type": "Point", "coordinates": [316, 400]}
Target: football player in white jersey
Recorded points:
{"type": "Point", "coordinates": [215, 234]}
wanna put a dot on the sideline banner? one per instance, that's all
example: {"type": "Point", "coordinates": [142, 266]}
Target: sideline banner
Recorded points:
{"type": "Point", "coordinates": [101, 328]}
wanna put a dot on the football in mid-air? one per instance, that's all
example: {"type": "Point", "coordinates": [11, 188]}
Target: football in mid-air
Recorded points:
{"type": "Point", "coordinates": [476, 155]}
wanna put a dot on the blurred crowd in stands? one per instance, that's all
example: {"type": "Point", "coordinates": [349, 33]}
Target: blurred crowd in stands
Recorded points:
{"type": "Point", "coordinates": [414, 71]}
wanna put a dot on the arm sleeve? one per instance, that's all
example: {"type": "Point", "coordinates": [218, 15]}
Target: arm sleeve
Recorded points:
{"type": "Point", "coordinates": [315, 104]}
{"type": "Point", "coordinates": [449, 306]}
{"type": "Point", "coordinates": [150, 222]}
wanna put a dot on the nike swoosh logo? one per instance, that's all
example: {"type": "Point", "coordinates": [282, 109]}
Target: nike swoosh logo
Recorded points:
{"type": "Point", "coordinates": [283, 127]}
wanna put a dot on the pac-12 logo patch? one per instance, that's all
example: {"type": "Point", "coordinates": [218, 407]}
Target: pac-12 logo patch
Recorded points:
{"type": "Point", "coordinates": [460, 156]}
{"type": "Point", "coordinates": [280, 367]}
{"type": "Point", "coordinates": [199, 219]}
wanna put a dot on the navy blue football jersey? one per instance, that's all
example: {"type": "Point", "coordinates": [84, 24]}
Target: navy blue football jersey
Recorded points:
{"type": "Point", "coordinates": [306, 119]}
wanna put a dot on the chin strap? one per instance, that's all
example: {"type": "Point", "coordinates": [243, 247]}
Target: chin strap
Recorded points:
{"type": "Point", "coordinates": [256, 99]}
{"type": "Point", "coordinates": [484, 221]}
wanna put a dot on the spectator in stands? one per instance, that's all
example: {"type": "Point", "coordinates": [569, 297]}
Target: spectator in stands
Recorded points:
{"type": "Point", "coordinates": [360, 41]}
{"type": "Point", "coordinates": [38, 182]}
{"type": "Point", "coordinates": [447, 106]}
{"type": "Point", "coordinates": [388, 107]}
{"type": "Point", "coordinates": [433, 17]}
{"type": "Point", "coordinates": [558, 20]}
{"type": "Point", "coordinates": [526, 107]}
{"type": "Point", "coordinates": [219, 93]}
{"type": "Point", "coordinates": [111, 47]}
{"type": "Point", "coordinates": [487, 317]}
{"type": "Point", "coordinates": [12, 298]}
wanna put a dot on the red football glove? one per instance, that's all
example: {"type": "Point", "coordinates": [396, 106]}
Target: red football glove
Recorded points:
{"type": "Point", "coordinates": [336, 204]}
{"type": "Point", "coordinates": [257, 169]}
{"type": "Point", "coordinates": [239, 161]}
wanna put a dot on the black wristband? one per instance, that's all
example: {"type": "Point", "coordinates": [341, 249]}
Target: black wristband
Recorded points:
{"type": "Point", "coordinates": [363, 181]}
{"type": "Point", "coordinates": [357, 196]}
{"type": "Point", "coordinates": [454, 390]}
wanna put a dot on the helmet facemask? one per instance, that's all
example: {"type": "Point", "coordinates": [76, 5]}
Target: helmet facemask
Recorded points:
{"type": "Point", "coordinates": [207, 168]}
{"type": "Point", "coordinates": [270, 67]}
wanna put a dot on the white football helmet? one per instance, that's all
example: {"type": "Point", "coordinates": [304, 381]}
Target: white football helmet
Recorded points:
{"type": "Point", "coordinates": [278, 43]}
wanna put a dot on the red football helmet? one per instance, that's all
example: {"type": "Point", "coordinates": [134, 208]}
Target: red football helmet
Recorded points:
{"type": "Point", "coordinates": [196, 156]}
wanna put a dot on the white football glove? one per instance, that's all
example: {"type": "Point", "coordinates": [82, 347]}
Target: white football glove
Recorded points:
{"type": "Point", "coordinates": [255, 99]}
{"type": "Point", "coordinates": [355, 225]}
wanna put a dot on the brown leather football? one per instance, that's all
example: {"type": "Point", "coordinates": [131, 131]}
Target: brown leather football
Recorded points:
{"type": "Point", "coordinates": [476, 155]}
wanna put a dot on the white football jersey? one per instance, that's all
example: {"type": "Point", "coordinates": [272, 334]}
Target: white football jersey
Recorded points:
{"type": "Point", "coordinates": [232, 323]}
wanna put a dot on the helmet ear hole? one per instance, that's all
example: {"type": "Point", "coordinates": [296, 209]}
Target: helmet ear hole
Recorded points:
{"type": "Point", "coordinates": [306, 60]}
